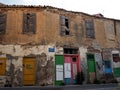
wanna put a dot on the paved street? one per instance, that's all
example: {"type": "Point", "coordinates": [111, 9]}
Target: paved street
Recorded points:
{"type": "Point", "coordinates": [69, 87]}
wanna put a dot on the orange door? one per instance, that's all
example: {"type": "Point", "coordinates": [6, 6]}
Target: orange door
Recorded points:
{"type": "Point", "coordinates": [28, 71]}
{"type": "Point", "coordinates": [2, 66]}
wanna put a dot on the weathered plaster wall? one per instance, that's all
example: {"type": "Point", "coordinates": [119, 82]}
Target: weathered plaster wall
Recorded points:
{"type": "Point", "coordinates": [15, 45]}
{"type": "Point", "coordinates": [118, 34]}
{"type": "Point", "coordinates": [45, 70]}
{"type": "Point", "coordinates": [47, 22]}
{"type": "Point", "coordinates": [14, 60]}
{"type": "Point", "coordinates": [99, 65]}
{"type": "Point", "coordinates": [100, 32]}
{"type": "Point", "coordinates": [83, 61]}
{"type": "Point", "coordinates": [110, 33]}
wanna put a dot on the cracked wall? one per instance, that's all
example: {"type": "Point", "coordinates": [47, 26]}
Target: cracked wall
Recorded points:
{"type": "Point", "coordinates": [14, 64]}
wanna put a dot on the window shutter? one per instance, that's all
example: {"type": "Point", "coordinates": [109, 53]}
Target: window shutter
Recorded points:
{"type": "Point", "coordinates": [24, 23]}
{"type": "Point", "coordinates": [62, 20]}
{"type": "Point", "coordinates": [62, 30]}
{"type": "Point", "coordinates": [33, 22]}
{"type": "Point", "coordinates": [29, 22]}
{"type": "Point", "coordinates": [90, 29]}
{"type": "Point", "coordinates": [2, 23]}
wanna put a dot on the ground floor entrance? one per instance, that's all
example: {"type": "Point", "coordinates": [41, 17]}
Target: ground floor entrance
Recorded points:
{"type": "Point", "coordinates": [28, 71]}
{"type": "Point", "coordinates": [67, 68]}
{"type": "Point", "coordinates": [91, 67]}
{"type": "Point", "coordinates": [2, 66]}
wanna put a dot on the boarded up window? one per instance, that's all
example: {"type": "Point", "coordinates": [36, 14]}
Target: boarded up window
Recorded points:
{"type": "Point", "coordinates": [64, 26]}
{"type": "Point", "coordinates": [2, 23]}
{"type": "Point", "coordinates": [116, 58]}
{"type": "Point", "coordinates": [90, 29]}
{"type": "Point", "coordinates": [29, 23]}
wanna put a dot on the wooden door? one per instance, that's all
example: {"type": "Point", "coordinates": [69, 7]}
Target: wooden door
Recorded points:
{"type": "Point", "coordinates": [108, 67]}
{"type": "Point", "coordinates": [59, 62]}
{"type": "Point", "coordinates": [74, 68]}
{"type": "Point", "coordinates": [28, 71]}
{"type": "Point", "coordinates": [2, 66]}
{"type": "Point", "coordinates": [67, 70]}
{"type": "Point", "coordinates": [71, 68]}
{"type": "Point", "coordinates": [91, 67]}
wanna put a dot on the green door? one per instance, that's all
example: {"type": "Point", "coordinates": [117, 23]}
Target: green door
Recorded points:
{"type": "Point", "coordinates": [91, 67]}
{"type": "Point", "coordinates": [59, 62]}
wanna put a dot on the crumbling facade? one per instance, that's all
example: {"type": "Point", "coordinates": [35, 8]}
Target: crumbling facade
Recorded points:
{"type": "Point", "coordinates": [50, 46]}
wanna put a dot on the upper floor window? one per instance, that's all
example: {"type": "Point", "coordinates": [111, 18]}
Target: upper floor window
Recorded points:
{"type": "Point", "coordinates": [29, 22]}
{"type": "Point", "coordinates": [2, 23]}
{"type": "Point", "coordinates": [64, 25]}
{"type": "Point", "coordinates": [89, 29]}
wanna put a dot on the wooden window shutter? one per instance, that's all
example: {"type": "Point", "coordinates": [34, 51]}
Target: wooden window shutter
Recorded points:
{"type": "Point", "coordinates": [63, 27]}
{"type": "Point", "coordinates": [62, 20]}
{"type": "Point", "coordinates": [2, 23]}
{"type": "Point", "coordinates": [90, 29]}
{"type": "Point", "coordinates": [33, 22]}
{"type": "Point", "coordinates": [24, 23]}
{"type": "Point", "coordinates": [29, 22]}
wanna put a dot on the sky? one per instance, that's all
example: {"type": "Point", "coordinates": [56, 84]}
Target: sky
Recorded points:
{"type": "Point", "coordinates": [109, 8]}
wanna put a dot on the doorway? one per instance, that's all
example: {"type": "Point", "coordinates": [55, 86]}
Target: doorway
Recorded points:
{"type": "Point", "coordinates": [91, 67]}
{"type": "Point", "coordinates": [28, 71]}
{"type": "Point", "coordinates": [71, 68]}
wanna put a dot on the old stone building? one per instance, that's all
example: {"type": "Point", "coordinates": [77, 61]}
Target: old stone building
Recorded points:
{"type": "Point", "coordinates": [50, 46]}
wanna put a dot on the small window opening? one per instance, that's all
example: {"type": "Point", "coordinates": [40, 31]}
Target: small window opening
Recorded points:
{"type": "Point", "coordinates": [74, 59]}
{"type": "Point", "coordinates": [70, 51]}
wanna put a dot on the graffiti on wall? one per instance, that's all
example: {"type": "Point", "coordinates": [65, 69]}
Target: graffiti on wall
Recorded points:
{"type": "Point", "coordinates": [99, 64]}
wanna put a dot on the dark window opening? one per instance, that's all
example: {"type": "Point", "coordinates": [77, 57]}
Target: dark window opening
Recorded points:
{"type": "Point", "coordinates": [66, 23]}
{"type": "Point", "coordinates": [90, 57]}
{"type": "Point", "coordinates": [2, 23]}
{"type": "Point", "coordinates": [89, 29]}
{"type": "Point", "coordinates": [67, 32]}
{"type": "Point", "coordinates": [74, 59]}
{"type": "Point", "coordinates": [107, 64]}
{"type": "Point", "coordinates": [70, 51]}
{"type": "Point", "coordinates": [29, 23]}
{"type": "Point", "coordinates": [116, 58]}
{"type": "Point", "coordinates": [64, 28]}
